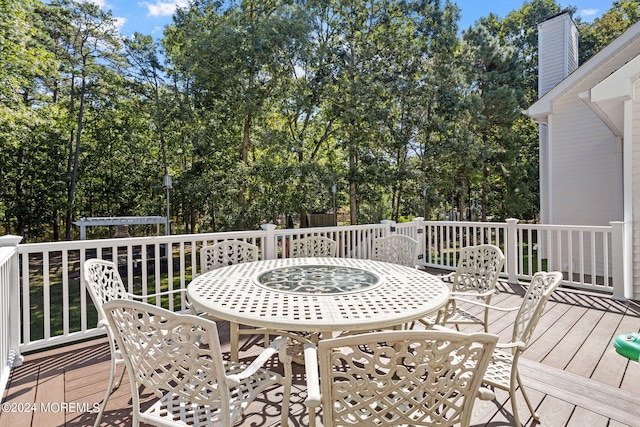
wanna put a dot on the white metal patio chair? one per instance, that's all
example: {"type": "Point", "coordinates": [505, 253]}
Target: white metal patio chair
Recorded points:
{"type": "Point", "coordinates": [310, 247]}
{"type": "Point", "coordinates": [475, 279]}
{"type": "Point", "coordinates": [228, 252]}
{"type": "Point", "coordinates": [313, 246]}
{"type": "Point", "coordinates": [396, 249]}
{"type": "Point", "coordinates": [177, 357]}
{"type": "Point", "coordinates": [223, 254]}
{"type": "Point", "coordinates": [502, 371]}
{"type": "Point", "coordinates": [104, 284]}
{"type": "Point", "coordinates": [397, 378]}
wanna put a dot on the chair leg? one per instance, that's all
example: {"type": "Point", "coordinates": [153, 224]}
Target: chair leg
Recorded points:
{"type": "Point", "coordinates": [233, 340]}
{"type": "Point", "coordinates": [486, 320]}
{"type": "Point", "coordinates": [119, 382]}
{"type": "Point", "coordinates": [516, 381]}
{"type": "Point", "coordinates": [534, 414]}
{"type": "Point", "coordinates": [110, 389]}
{"type": "Point", "coordinates": [285, 359]}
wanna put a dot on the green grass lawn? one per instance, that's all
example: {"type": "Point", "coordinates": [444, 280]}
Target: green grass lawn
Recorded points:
{"type": "Point", "coordinates": [56, 296]}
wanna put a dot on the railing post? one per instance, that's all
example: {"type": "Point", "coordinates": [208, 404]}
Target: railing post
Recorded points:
{"type": "Point", "coordinates": [13, 329]}
{"type": "Point", "coordinates": [420, 237]}
{"type": "Point", "coordinates": [621, 291]}
{"type": "Point", "coordinates": [390, 226]}
{"type": "Point", "coordinates": [511, 250]}
{"type": "Point", "coordinates": [270, 248]}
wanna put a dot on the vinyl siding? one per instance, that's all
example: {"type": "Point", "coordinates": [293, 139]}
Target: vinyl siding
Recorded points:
{"type": "Point", "coordinates": [586, 167]}
{"type": "Point", "coordinates": [586, 172]}
{"type": "Point", "coordinates": [558, 51]}
{"type": "Point", "coordinates": [572, 46]}
{"type": "Point", "coordinates": [552, 57]}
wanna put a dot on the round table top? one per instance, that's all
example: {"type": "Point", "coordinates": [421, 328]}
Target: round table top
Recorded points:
{"type": "Point", "coordinates": [318, 294]}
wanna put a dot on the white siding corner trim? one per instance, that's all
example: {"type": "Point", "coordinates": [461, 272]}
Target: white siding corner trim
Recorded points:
{"type": "Point", "coordinates": [628, 176]}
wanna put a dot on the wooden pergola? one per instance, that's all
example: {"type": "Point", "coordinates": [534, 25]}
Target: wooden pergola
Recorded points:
{"type": "Point", "coordinates": [85, 222]}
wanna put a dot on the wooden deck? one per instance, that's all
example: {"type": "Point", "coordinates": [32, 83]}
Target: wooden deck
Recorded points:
{"type": "Point", "coordinates": [573, 375]}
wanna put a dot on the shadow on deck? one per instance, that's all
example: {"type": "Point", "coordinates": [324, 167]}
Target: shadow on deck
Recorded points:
{"type": "Point", "coordinates": [573, 375]}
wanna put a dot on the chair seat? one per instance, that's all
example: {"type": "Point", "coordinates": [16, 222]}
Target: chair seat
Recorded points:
{"type": "Point", "coordinates": [181, 411]}
{"type": "Point", "coordinates": [459, 316]}
{"type": "Point", "coordinates": [498, 372]}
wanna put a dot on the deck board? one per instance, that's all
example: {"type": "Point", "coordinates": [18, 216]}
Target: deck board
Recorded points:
{"type": "Point", "coordinates": [571, 373]}
{"type": "Point", "coordinates": [586, 359]}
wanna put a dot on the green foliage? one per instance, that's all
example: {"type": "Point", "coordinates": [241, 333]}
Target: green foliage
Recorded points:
{"type": "Point", "coordinates": [255, 108]}
{"type": "Point", "coordinates": [602, 31]}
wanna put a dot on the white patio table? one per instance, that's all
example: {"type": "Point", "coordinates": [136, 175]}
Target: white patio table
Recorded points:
{"type": "Point", "coordinates": [317, 295]}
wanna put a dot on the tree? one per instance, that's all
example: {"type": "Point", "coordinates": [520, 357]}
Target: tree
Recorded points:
{"type": "Point", "coordinates": [520, 30]}
{"type": "Point", "coordinates": [244, 53]}
{"type": "Point", "coordinates": [85, 40]}
{"type": "Point", "coordinates": [494, 81]}
{"type": "Point", "coordinates": [29, 157]}
{"type": "Point", "coordinates": [602, 31]}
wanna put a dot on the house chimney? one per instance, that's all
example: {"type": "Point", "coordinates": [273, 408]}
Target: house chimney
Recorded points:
{"type": "Point", "coordinates": [557, 51]}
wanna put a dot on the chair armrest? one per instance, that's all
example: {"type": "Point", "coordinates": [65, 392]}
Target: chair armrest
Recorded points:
{"type": "Point", "coordinates": [159, 294]}
{"type": "Point", "coordinates": [481, 304]}
{"type": "Point", "coordinates": [473, 294]}
{"type": "Point", "coordinates": [517, 344]}
{"type": "Point", "coordinates": [442, 328]}
{"type": "Point", "coordinates": [313, 380]}
{"type": "Point", "coordinates": [485, 394]}
{"type": "Point", "coordinates": [258, 362]}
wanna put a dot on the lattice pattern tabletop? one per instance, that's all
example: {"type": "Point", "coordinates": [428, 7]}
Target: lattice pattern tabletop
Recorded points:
{"type": "Point", "coordinates": [318, 294]}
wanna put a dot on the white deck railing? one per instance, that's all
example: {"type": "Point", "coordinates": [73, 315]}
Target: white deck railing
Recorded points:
{"type": "Point", "coordinates": [55, 308]}
{"type": "Point", "coordinates": [585, 254]}
{"type": "Point", "coordinates": [9, 307]}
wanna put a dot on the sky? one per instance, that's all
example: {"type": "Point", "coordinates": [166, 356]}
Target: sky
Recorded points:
{"type": "Point", "coordinates": [150, 16]}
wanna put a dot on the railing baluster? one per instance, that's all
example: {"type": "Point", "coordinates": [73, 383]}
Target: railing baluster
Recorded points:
{"type": "Point", "coordinates": [26, 301]}
{"type": "Point", "coordinates": [594, 274]}
{"type": "Point", "coordinates": [570, 254]}
{"type": "Point", "coordinates": [605, 263]}
{"type": "Point", "coordinates": [157, 255]}
{"type": "Point", "coordinates": [46, 295]}
{"type": "Point", "coordinates": [65, 291]}
{"type": "Point", "coordinates": [144, 266]}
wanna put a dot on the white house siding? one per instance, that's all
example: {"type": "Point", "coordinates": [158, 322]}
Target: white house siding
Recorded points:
{"type": "Point", "coordinates": [557, 50]}
{"type": "Point", "coordinates": [636, 193]}
{"type": "Point", "coordinates": [572, 49]}
{"type": "Point", "coordinates": [586, 178]}
{"type": "Point", "coordinates": [552, 57]}
{"type": "Point", "coordinates": [586, 167]}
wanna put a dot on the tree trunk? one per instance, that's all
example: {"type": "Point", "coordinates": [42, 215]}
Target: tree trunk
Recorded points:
{"type": "Point", "coordinates": [244, 154]}
{"type": "Point", "coordinates": [353, 186]}
{"type": "Point", "coordinates": [19, 190]}
{"type": "Point", "coordinates": [304, 218]}
{"type": "Point", "coordinates": [462, 201]}
{"type": "Point", "coordinates": [71, 194]}
{"type": "Point", "coordinates": [485, 188]}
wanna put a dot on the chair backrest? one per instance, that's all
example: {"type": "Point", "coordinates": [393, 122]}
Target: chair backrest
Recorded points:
{"type": "Point", "coordinates": [228, 252]}
{"type": "Point", "coordinates": [313, 246]}
{"type": "Point", "coordinates": [418, 378]}
{"type": "Point", "coordinates": [478, 268]}
{"type": "Point", "coordinates": [167, 352]}
{"type": "Point", "coordinates": [542, 285]}
{"type": "Point", "coordinates": [396, 249]}
{"type": "Point", "coordinates": [104, 283]}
